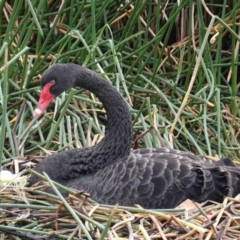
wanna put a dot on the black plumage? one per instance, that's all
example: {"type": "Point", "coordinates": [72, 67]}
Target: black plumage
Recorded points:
{"type": "Point", "coordinates": [112, 173]}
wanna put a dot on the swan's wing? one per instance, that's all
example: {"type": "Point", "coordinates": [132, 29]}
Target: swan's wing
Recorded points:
{"type": "Point", "coordinates": [161, 178]}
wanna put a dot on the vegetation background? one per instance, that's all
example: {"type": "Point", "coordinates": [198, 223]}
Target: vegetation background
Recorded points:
{"type": "Point", "coordinates": [175, 62]}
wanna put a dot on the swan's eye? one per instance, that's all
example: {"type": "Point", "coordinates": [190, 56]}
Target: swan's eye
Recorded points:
{"type": "Point", "coordinates": [52, 82]}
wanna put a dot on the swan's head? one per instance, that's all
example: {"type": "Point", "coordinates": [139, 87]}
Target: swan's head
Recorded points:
{"type": "Point", "coordinates": [55, 80]}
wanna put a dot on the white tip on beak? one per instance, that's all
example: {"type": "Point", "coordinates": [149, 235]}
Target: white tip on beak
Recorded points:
{"type": "Point", "coordinates": [37, 112]}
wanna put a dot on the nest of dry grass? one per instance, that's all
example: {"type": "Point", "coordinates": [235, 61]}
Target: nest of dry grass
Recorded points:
{"type": "Point", "coordinates": [31, 213]}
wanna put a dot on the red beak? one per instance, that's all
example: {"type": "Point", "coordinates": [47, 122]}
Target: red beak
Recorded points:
{"type": "Point", "coordinates": [44, 100]}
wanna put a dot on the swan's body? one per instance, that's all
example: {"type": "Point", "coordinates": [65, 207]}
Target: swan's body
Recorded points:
{"type": "Point", "coordinates": [153, 178]}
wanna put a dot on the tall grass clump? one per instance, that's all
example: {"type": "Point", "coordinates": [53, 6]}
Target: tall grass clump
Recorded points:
{"type": "Point", "coordinates": [176, 64]}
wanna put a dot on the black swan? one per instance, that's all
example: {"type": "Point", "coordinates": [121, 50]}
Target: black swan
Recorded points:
{"type": "Point", "coordinates": [111, 172]}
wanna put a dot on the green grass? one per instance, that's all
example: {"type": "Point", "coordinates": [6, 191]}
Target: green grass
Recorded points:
{"type": "Point", "coordinates": [140, 49]}
{"type": "Point", "coordinates": [158, 56]}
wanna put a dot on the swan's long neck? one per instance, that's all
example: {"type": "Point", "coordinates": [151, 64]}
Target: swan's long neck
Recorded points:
{"type": "Point", "coordinates": [117, 142]}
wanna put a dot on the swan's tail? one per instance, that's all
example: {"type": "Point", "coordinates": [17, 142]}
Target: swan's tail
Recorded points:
{"type": "Point", "coordinates": [215, 182]}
